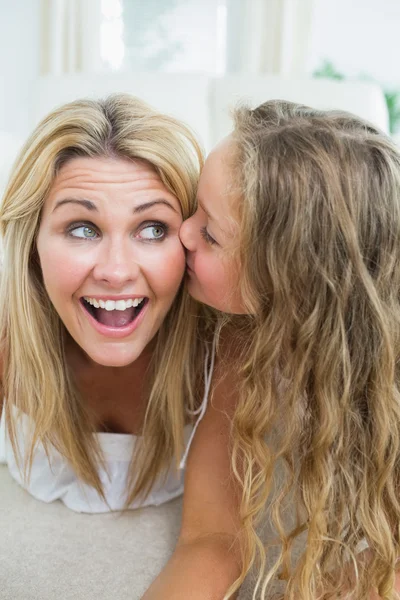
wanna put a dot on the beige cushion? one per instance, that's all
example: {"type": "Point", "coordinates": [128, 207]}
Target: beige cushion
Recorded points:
{"type": "Point", "coordinates": [183, 95]}
{"type": "Point", "coordinates": [362, 98]}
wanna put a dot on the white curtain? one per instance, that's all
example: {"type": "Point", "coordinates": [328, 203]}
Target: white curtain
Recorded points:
{"type": "Point", "coordinates": [269, 36]}
{"type": "Point", "coordinates": [70, 36]}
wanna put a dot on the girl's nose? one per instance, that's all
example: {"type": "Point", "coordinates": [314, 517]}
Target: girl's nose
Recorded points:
{"type": "Point", "coordinates": [187, 234]}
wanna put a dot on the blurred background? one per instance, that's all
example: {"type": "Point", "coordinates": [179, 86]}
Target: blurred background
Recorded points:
{"type": "Point", "coordinates": [196, 58]}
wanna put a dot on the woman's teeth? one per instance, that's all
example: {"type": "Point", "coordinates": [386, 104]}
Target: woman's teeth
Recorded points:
{"type": "Point", "coordinates": [114, 304]}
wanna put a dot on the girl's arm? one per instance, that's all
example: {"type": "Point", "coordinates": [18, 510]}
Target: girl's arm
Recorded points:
{"type": "Point", "coordinates": [206, 560]}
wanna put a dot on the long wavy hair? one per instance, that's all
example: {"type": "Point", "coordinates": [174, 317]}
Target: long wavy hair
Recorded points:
{"type": "Point", "coordinates": [318, 422]}
{"type": "Point", "coordinates": [36, 378]}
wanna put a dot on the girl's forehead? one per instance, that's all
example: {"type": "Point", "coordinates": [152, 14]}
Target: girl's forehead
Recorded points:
{"type": "Point", "coordinates": [217, 194]}
{"type": "Point", "coordinates": [216, 176]}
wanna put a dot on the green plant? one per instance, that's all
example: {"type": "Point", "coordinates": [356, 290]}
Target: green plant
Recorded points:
{"type": "Point", "coordinates": [392, 97]}
{"type": "Point", "coordinates": [328, 71]}
{"type": "Point", "coordinates": [393, 104]}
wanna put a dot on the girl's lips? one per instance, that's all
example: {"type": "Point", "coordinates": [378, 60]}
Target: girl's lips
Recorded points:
{"type": "Point", "coordinates": [115, 332]}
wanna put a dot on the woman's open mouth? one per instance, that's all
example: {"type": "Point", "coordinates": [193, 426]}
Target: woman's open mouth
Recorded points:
{"type": "Point", "coordinates": [114, 313]}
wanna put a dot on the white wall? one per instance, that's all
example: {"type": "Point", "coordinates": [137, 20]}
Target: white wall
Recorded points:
{"type": "Point", "coordinates": [358, 37]}
{"type": "Point", "coordinates": [19, 61]}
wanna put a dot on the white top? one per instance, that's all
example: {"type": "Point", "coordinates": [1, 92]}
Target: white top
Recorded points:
{"type": "Point", "coordinates": [52, 478]}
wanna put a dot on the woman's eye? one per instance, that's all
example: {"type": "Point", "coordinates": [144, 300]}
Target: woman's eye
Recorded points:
{"type": "Point", "coordinates": [153, 232]}
{"type": "Point", "coordinates": [83, 232]}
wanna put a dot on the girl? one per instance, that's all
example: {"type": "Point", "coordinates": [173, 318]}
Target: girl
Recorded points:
{"type": "Point", "coordinates": [102, 358]}
{"type": "Point", "coordinates": [298, 231]}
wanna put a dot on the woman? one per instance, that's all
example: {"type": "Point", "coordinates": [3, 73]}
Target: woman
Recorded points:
{"type": "Point", "coordinates": [298, 232]}
{"type": "Point", "coordinates": [102, 354]}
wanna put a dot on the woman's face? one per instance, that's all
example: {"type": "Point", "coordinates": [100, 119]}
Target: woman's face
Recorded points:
{"type": "Point", "coordinates": [110, 255]}
{"type": "Point", "coordinates": [211, 235]}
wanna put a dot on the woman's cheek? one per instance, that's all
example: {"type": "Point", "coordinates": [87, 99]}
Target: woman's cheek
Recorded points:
{"type": "Point", "coordinates": [65, 266]}
{"type": "Point", "coordinates": [168, 267]}
{"type": "Point", "coordinates": [176, 264]}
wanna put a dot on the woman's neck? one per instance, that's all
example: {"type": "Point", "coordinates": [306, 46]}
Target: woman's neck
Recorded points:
{"type": "Point", "coordinates": [115, 397]}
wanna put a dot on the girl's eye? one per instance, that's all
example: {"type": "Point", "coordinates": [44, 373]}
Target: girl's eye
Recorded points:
{"type": "Point", "coordinates": [84, 232]}
{"type": "Point", "coordinates": [207, 237]}
{"type": "Point", "coordinates": [153, 232]}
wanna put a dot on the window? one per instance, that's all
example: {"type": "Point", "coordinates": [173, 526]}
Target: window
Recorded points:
{"type": "Point", "coordinates": [164, 35]}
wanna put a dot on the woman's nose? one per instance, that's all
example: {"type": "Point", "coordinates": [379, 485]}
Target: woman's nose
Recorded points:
{"type": "Point", "coordinates": [117, 264]}
{"type": "Point", "coordinates": [187, 234]}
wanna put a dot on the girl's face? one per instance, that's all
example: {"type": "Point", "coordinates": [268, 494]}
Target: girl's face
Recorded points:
{"type": "Point", "coordinates": [110, 254]}
{"type": "Point", "coordinates": [211, 235]}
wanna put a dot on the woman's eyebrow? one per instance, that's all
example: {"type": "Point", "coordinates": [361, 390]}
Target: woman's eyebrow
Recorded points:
{"type": "Point", "coordinates": [89, 205]}
{"type": "Point", "coordinates": [81, 202]}
{"type": "Point", "coordinates": [142, 207]}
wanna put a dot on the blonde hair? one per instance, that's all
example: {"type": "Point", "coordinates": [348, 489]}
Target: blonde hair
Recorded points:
{"type": "Point", "coordinates": [35, 376]}
{"type": "Point", "coordinates": [320, 249]}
